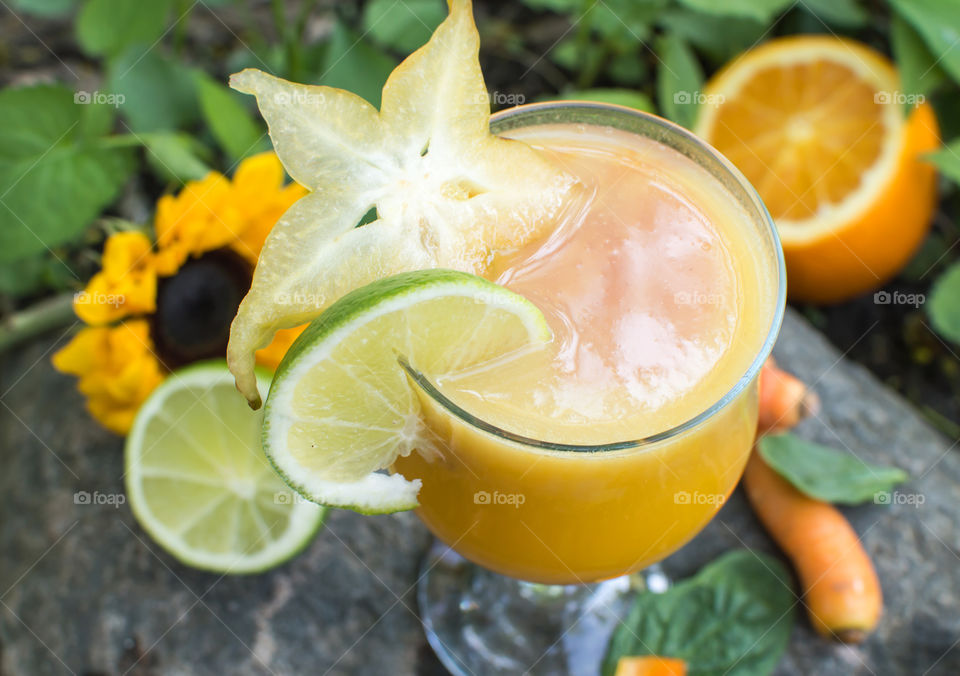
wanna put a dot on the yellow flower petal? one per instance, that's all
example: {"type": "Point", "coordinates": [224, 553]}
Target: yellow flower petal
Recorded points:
{"type": "Point", "coordinates": [126, 285]}
{"type": "Point", "coordinates": [261, 172]}
{"type": "Point", "coordinates": [117, 370]}
{"type": "Point", "coordinates": [192, 222]}
{"type": "Point", "coordinates": [272, 354]}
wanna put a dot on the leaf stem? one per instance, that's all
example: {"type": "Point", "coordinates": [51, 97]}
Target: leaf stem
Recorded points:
{"type": "Point", "coordinates": [48, 314]}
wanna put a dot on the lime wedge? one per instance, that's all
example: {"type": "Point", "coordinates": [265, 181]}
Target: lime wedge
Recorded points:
{"type": "Point", "coordinates": [198, 481]}
{"type": "Point", "coordinates": [341, 409]}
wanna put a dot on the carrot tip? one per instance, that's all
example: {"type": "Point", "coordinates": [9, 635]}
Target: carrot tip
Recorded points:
{"type": "Point", "coordinates": [810, 406]}
{"type": "Point", "coordinates": [850, 635]}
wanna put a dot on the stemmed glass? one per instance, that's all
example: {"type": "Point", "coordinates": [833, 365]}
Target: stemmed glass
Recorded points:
{"type": "Point", "coordinates": [540, 544]}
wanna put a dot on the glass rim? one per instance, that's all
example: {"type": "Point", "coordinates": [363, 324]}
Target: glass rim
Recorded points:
{"type": "Point", "coordinates": [753, 198]}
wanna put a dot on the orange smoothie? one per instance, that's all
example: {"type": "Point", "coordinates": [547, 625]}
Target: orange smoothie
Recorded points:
{"type": "Point", "coordinates": [660, 295]}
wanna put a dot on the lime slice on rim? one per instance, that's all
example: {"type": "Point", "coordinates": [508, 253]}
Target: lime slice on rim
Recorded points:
{"type": "Point", "coordinates": [198, 481]}
{"type": "Point", "coordinates": [341, 409]}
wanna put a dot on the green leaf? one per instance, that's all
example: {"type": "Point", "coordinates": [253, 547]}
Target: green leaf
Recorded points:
{"type": "Point", "coordinates": [620, 97]}
{"type": "Point", "coordinates": [56, 174]}
{"type": "Point", "coordinates": [825, 473]}
{"type": "Point", "coordinates": [355, 65]}
{"type": "Point", "coordinates": [919, 73]}
{"type": "Point", "coordinates": [947, 160]}
{"type": "Point", "coordinates": [629, 68]}
{"type": "Point", "coordinates": [718, 37]}
{"type": "Point", "coordinates": [232, 124]}
{"type": "Point", "coordinates": [938, 22]}
{"type": "Point", "coordinates": [107, 27]}
{"type": "Point", "coordinates": [846, 13]}
{"type": "Point", "coordinates": [761, 10]}
{"type": "Point", "coordinates": [177, 157]}
{"type": "Point", "coordinates": [45, 8]}
{"type": "Point", "coordinates": [679, 80]}
{"type": "Point", "coordinates": [402, 26]}
{"type": "Point", "coordinates": [927, 257]}
{"type": "Point", "coordinates": [944, 304]}
{"type": "Point", "coordinates": [158, 93]}
{"type": "Point", "coordinates": [733, 618]}
{"type": "Point", "coordinates": [625, 22]}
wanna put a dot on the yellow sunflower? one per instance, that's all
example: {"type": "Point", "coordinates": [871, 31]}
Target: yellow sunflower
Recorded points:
{"type": "Point", "coordinates": [152, 308]}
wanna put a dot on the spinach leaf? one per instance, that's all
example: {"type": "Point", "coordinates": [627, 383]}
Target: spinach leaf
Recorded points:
{"type": "Point", "coordinates": [825, 473]}
{"type": "Point", "coordinates": [734, 617]}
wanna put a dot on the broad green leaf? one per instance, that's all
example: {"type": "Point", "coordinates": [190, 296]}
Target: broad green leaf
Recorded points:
{"type": "Point", "coordinates": [761, 10]}
{"type": "Point", "coordinates": [947, 160]}
{"type": "Point", "coordinates": [629, 68]}
{"type": "Point", "coordinates": [402, 26]}
{"type": "Point", "coordinates": [158, 92]}
{"type": "Point", "coordinates": [56, 175]}
{"type": "Point", "coordinates": [846, 13]}
{"type": "Point", "coordinates": [732, 619]}
{"type": "Point", "coordinates": [624, 22]}
{"type": "Point", "coordinates": [229, 119]}
{"type": "Point", "coordinates": [919, 73]}
{"type": "Point", "coordinates": [107, 27]}
{"type": "Point", "coordinates": [355, 65]}
{"type": "Point", "coordinates": [944, 304]}
{"type": "Point", "coordinates": [567, 54]}
{"type": "Point", "coordinates": [718, 37]}
{"type": "Point", "coordinates": [620, 97]}
{"type": "Point", "coordinates": [927, 257]}
{"type": "Point", "coordinates": [174, 156]}
{"type": "Point", "coordinates": [938, 22]}
{"type": "Point", "coordinates": [679, 80]}
{"type": "Point", "coordinates": [44, 7]}
{"type": "Point", "coordinates": [825, 473]}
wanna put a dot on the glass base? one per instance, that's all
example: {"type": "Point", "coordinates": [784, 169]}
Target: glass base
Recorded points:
{"type": "Point", "coordinates": [481, 623]}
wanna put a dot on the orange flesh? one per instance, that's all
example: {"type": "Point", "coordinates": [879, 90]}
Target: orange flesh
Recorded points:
{"type": "Point", "coordinates": [803, 135]}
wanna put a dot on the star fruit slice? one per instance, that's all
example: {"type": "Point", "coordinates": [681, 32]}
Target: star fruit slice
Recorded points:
{"type": "Point", "coordinates": [447, 193]}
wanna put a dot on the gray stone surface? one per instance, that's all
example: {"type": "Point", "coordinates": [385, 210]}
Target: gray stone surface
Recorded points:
{"type": "Point", "coordinates": [84, 591]}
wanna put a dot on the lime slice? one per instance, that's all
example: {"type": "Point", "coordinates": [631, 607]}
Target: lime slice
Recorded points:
{"type": "Point", "coordinates": [341, 410]}
{"type": "Point", "coordinates": [198, 481]}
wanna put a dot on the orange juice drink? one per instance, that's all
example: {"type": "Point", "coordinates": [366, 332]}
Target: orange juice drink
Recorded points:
{"type": "Point", "coordinates": [615, 445]}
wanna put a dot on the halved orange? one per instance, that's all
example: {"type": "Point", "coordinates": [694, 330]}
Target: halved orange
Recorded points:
{"type": "Point", "coordinates": [817, 125]}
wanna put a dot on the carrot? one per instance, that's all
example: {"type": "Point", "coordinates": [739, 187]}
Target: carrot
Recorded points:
{"type": "Point", "coordinates": [841, 590]}
{"type": "Point", "coordinates": [651, 665]}
{"type": "Point", "coordinates": [784, 399]}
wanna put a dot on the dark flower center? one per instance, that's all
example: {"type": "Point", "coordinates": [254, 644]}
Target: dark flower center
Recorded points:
{"type": "Point", "coordinates": [196, 305]}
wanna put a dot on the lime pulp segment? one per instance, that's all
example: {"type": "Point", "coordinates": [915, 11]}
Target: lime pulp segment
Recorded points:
{"type": "Point", "coordinates": [341, 410]}
{"type": "Point", "coordinates": [198, 481]}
